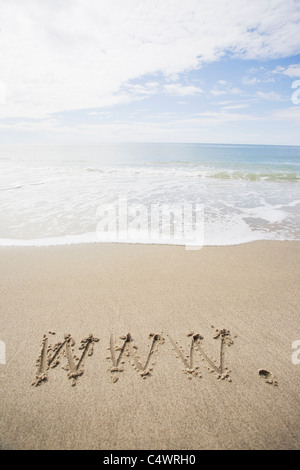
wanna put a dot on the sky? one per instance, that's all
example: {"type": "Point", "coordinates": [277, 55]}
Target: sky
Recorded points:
{"type": "Point", "coordinates": [92, 71]}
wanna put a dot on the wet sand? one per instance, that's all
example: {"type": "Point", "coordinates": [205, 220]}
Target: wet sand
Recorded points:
{"type": "Point", "coordinates": [173, 342]}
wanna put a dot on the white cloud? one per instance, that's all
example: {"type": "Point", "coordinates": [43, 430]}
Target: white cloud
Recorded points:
{"type": "Point", "coordinates": [235, 91]}
{"type": "Point", "coordinates": [270, 96]}
{"type": "Point", "coordinates": [149, 88]}
{"type": "Point", "coordinates": [182, 90]}
{"type": "Point", "coordinates": [235, 106]}
{"type": "Point", "coordinates": [251, 81]}
{"type": "Point", "coordinates": [219, 127]}
{"type": "Point", "coordinates": [224, 91]}
{"type": "Point", "coordinates": [76, 54]}
{"type": "Point", "coordinates": [291, 114]}
{"type": "Point", "coordinates": [209, 118]}
{"type": "Point", "coordinates": [158, 127]}
{"type": "Point", "coordinates": [217, 92]}
{"type": "Point", "coordinates": [257, 75]}
{"type": "Point", "coordinates": [136, 90]}
{"type": "Point", "coordinates": [291, 71]}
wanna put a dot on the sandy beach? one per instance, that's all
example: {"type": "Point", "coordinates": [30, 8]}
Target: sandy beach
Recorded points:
{"type": "Point", "coordinates": [177, 341]}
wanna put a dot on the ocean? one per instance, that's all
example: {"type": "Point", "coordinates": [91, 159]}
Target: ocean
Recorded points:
{"type": "Point", "coordinates": [52, 195]}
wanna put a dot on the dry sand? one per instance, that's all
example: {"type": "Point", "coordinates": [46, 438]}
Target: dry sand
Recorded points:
{"type": "Point", "coordinates": [112, 290]}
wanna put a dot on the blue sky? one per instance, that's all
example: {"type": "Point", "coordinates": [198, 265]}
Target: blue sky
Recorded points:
{"type": "Point", "coordinates": [86, 71]}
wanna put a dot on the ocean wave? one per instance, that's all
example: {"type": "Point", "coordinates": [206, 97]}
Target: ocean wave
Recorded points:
{"type": "Point", "coordinates": [6, 188]}
{"type": "Point", "coordinates": [248, 176]}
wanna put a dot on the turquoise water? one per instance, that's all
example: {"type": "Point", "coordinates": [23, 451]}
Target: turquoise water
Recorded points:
{"type": "Point", "coordinates": [55, 194]}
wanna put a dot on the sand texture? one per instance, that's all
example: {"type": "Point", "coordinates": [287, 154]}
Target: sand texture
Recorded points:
{"type": "Point", "coordinates": [150, 347]}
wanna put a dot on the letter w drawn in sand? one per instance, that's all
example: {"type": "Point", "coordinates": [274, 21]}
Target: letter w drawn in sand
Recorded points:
{"type": "Point", "coordinates": [196, 344]}
{"type": "Point", "coordinates": [50, 357]}
{"type": "Point", "coordinates": [129, 349]}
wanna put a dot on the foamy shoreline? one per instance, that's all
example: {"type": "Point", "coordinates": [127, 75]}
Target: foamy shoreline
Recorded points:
{"type": "Point", "coordinates": [91, 239]}
{"type": "Point", "coordinates": [112, 290]}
